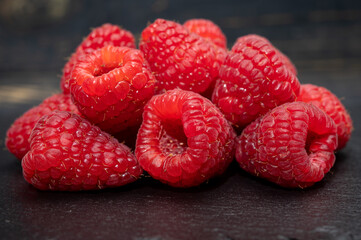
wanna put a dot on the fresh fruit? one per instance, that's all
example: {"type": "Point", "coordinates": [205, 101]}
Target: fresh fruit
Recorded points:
{"type": "Point", "coordinates": [288, 63]}
{"type": "Point", "coordinates": [178, 58]}
{"type": "Point", "coordinates": [111, 85]}
{"type": "Point", "coordinates": [184, 139]}
{"type": "Point", "coordinates": [253, 80]}
{"type": "Point", "coordinates": [68, 153]}
{"type": "Point", "coordinates": [330, 104]}
{"type": "Point", "coordinates": [107, 34]}
{"type": "Point", "coordinates": [208, 30]}
{"type": "Point", "coordinates": [179, 136]}
{"type": "Point", "coordinates": [17, 136]}
{"type": "Point", "coordinates": [292, 145]}
{"type": "Point", "coordinates": [64, 81]}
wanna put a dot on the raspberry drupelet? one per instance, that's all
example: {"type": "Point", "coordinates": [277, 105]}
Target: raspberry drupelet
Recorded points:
{"type": "Point", "coordinates": [184, 139]}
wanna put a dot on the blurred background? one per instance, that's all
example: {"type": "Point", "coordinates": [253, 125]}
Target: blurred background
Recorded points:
{"type": "Point", "coordinates": [38, 35]}
{"type": "Point", "coordinates": [322, 37]}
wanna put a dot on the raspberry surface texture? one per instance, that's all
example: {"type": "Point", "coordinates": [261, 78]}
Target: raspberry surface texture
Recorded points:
{"type": "Point", "coordinates": [208, 30]}
{"type": "Point", "coordinates": [68, 67]}
{"type": "Point", "coordinates": [107, 34]}
{"type": "Point", "coordinates": [253, 80]}
{"type": "Point", "coordinates": [184, 139]}
{"type": "Point", "coordinates": [292, 145]}
{"type": "Point", "coordinates": [179, 58]}
{"type": "Point", "coordinates": [330, 104]}
{"type": "Point", "coordinates": [111, 85]}
{"type": "Point", "coordinates": [68, 153]}
{"type": "Point", "coordinates": [288, 63]}
{"type": "Point", "coordinates": [17, 136]}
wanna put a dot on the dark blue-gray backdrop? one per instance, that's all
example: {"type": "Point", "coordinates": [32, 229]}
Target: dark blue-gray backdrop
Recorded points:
{"type": "Point", "coordinates": [40, 34]}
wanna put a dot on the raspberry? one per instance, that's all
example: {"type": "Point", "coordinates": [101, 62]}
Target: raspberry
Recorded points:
{"type": "Point", "coordinates": [253, 80]}
{"type": "Point", "coordinates": [64, 81]}
{"type": "Point", "coordinates": [69, 154]}
{"type": "Point", "coordinates": [102, 36]}
{"type": "Point", "coordinates": [330, 104]}
{"type": "Point", "coordinates": [184, 139]}
{"type": "Point", "coordinates": [18, 134]}
{"type": "Point", "coordinates": [111, 85]}
{"type": "Point", "coordinates": [105, 35]}
{"type": "Point", "coordinates": [179, 58]}
{"type": "Point", "coordinates": [292, 145]}
{"type": "Point", "coordinates": [208, 30]}
{"type": "Point", "coordinates": [288, 63]}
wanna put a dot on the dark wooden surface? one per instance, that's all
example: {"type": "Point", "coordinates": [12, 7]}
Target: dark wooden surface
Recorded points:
{"type": "Point", "coordinates": [321, 37]}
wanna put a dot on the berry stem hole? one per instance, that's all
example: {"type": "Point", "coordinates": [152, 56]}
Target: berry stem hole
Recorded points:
{"type": "Point", "coordinates": [104, 69]}
{"type": "Point", "coordinates": [311, 137]}
{"type": "Point", "coordinates": [172, 137]}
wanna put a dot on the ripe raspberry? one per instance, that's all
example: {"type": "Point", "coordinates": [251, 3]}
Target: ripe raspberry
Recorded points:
{"type": "Point", "coordinates": [69, 154]}
{"type": "Point", "coordinates": [102, 36]}
{"type": "Point", "coordinates": [292, 145]}
{"type": "Point", "coordinates": [17, 136]}
{"type": "Point", "coordinates": [64, 81]}
{"type": "Point", "coordinates": [111, 85]}
{"type": "Point", "coordinates": [253, 80]}
{"type": "Point", "coordinates": [184, 139]}
{"type": "Point", "coordinates": [288, 63]}
{"type": "Point", "coordinates": [208, 30]}
{"type": "Point", "coordinates": [105, 35]}
{"type": "Point", "coordinates": [179, 58]}
{"type": "Point", "coordinates": [330, 104]}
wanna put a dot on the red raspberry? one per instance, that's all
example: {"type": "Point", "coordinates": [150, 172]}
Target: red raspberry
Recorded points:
{"type": "Point", "coordinates": [102, 36]}
{"type": "Point", "coordinates": [111, 85]}
{"type": "Point", "coordinates": [288, 63]}
{"type": "Point", "coordinates": [330, 104]}
{"type": "Point", "coordinates": [179, 58]}
{"type": "Point", "coordinates": [292, 145]}
{"type": "Point", "coordinates": [184, 139]}
{"type": "Point", "coordinates": [69, 154]}
{"type": "Point", "coordinates": [17, 136]}
{"type": "Point", "coordinates": [208, 30]}
{"type": "Point", "coordinates": [105, 35]}
{"type": "Point", "coordinates": [64, 81]}
{"type": "Point", "coordinates": [253, 80]}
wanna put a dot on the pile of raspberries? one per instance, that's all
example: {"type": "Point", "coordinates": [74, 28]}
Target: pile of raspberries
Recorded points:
{"type": "Point", "coordinates": [183, 98]}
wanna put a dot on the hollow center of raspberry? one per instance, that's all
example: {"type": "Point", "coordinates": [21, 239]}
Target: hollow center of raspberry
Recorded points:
{"type": "Point", "coordinates": [104, 69]}
{"type": "Point", "coordinates": [172, 138]}
{"type": "Point", "coordinates": [311, 137]}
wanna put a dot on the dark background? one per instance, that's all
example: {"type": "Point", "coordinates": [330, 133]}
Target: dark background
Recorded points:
{"type": "Point", "coordinates": [38, 35]}
{"type": "Point", "coordinates": [322, 38]}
